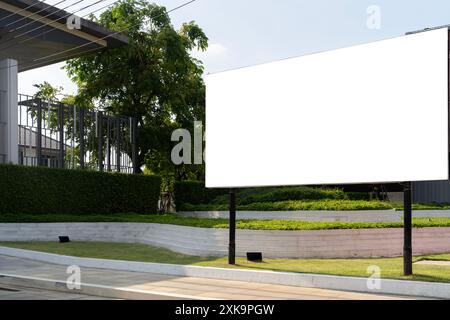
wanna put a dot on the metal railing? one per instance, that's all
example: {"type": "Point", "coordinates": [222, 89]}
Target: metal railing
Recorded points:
{"type": "Point", "coordinates": [55, 134]}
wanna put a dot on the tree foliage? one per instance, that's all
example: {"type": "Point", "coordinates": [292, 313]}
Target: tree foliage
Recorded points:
{"type": "Point", "coordinates": [154, 78]}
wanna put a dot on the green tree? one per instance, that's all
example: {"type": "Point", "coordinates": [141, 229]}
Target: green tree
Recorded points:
{"type": "Point", "coordinates": [47, 92]}
{"type": "Point", "coordinates": [50, 96]}
{"type": "Point", "coordinates": [154, 78]}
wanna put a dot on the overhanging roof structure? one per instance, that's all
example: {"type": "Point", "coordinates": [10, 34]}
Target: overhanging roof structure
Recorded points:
{"type": "Point", "coordinates": [47, 33]}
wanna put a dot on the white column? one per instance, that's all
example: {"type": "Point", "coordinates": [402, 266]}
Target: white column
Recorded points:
{"type": "Point", "coordinates": [8, 112]}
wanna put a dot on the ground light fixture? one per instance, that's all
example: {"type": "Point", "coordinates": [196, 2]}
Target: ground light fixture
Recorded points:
{"type": "Point", "coordinates": [64, 239]}
{"type": "Point", "coordinates": [254, 256]}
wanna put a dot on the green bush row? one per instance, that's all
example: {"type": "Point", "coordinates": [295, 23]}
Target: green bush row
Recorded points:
{"type": "Point", "coordinates": [188, 193]}
{"type": "Point", "coordinates": [194, 192]}
{"type": "Point", "coordinates": [252, 195]}
{"type": "Point", "coordinates": [297, 205]}
{"type": "Point", "coordinates": [39, 190]}
{"type": "Point", "coordinates": [327, 204]}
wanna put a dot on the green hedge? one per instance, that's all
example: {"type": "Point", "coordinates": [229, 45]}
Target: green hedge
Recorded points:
{"type": "Point", "coordinates": [38, 190]}
{"type": "Point", "coordinates": [275, 194]}
{"type": "Point", "coordinates": [188, 193]}
{"type": "Point", "coordinates": [194, 192]}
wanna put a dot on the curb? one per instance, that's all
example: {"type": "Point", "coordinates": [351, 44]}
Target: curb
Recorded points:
{"type": "Point", "coordinates": [357, 284]}
{"type": "Point", "coordinates": [389, 215]}
{"type": "Point", "coordinates": [92, 289]}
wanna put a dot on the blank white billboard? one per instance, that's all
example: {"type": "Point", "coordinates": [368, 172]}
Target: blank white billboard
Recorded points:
{"type": "Point", "coordinates": [371, 113]}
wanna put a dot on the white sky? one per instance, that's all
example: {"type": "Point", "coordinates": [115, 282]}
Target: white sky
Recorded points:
{"type": "Point", "coordinates": [247, 32]}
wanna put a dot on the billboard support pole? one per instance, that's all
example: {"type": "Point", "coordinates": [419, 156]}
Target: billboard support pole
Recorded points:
{"type": "Point", "coordinates": [407, 230]}
{"type": "Point", "coordinates": [232, 228]}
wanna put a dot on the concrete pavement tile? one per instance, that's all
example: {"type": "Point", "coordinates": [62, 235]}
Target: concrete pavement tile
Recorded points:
{"type": "Point", "coordinates": [201, 287]}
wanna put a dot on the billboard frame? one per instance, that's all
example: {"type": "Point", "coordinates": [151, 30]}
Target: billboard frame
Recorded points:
{"type": "Point", "coordinates": [404, 187]}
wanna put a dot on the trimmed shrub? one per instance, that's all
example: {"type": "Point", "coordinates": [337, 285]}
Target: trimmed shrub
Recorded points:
{"type": "Point", "coordinates": [360, 196]}
{"type": "Point", "coordinates": [188, 193]}
{"type": "Point", "coordinates": [194, 192]}
{"type": "Point", "coordinates": [331, 205]}
{"type": "Point", "coordinates": [274, 194]}
{"type": "Point", "coordinates": [39, 190]}
{"type": "Point", "coordinates": [293, 205]}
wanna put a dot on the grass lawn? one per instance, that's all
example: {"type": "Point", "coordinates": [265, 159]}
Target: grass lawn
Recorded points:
{"type": "Point", "coordinates": [293, 205]}
{"type": "Point", "coordinates": [106, 250]}
{"type": "Point", "coordinates": [390, 267]}
{"type": "Point", "coordinates": [326, 204]}
{"type": "Point", "coordinates": [221, 223]}
{"type": "Point", "coordinates": [423, 206]}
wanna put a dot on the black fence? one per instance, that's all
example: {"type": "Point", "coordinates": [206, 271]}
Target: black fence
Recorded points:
{"type": "Point", "coordinates": [58, 135]}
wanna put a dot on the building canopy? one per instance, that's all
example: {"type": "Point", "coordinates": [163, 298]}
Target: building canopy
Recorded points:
{"type": "Point", "coordinates": [31, 30]}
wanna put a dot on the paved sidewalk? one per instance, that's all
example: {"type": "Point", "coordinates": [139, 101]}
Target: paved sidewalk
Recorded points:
{"type": "Point", "coordinates": [187, 286]}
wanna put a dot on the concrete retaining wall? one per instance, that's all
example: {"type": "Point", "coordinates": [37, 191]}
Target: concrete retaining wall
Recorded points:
{"type": "Point", "coordinates": [214, 242]}
{"type": "Point", "coordinates": [344, 216]}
